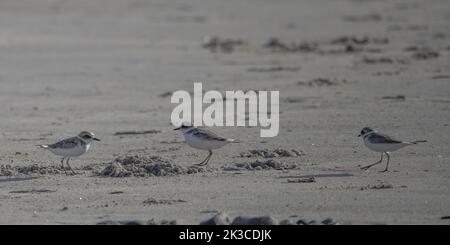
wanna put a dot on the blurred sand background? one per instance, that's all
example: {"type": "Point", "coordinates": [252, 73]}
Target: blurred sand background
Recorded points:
{"type": "Point", "coordinates": [109, 66]}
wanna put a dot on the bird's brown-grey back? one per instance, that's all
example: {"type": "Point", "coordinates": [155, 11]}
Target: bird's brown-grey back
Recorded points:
{"type": "Point", "coordinates": [379, 138]}
{"type": "Point", "coordinates": [67, 143]}
{"type": "Point", "coordinates": [206, 134]}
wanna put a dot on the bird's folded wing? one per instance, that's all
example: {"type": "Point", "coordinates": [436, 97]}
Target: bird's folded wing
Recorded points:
{"type": "Point", "coordinates": [206, 134]}
{"type": "Point", "coordinates": [383, 139]}
{"type": "Point", "coordinates": [66, 143]}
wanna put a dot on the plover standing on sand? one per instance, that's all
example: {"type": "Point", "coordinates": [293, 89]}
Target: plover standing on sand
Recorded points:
{"type": "Point", "coordinates": [71, 147]}
{"type": "Point", "coordinates": [203, 139]}
{"type": "Point", "coordinates": [382, 143]}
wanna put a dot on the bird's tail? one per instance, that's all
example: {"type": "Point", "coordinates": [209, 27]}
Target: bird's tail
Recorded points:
{"type": "Point", "coordinates": [418, 141]}
{"type": "Point", "coordinates": [42, 146]}
{"type": "Point", "coordinates": [233, 141]}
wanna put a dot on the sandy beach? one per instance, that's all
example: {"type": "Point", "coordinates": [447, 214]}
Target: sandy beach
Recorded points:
{"type": "Point", "coordinates": [110, 67]}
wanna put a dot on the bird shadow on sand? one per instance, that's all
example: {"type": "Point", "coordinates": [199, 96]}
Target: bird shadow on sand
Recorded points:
{"type": "Point", "coordinates": [15, 179]}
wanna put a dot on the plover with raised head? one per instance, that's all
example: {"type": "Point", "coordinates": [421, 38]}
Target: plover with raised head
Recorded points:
{"type": "Point", "coordinates": [203, 139]}
{"type": "Point", "coordinates": [71, 147]}
{"type": "Point", "coordinates": [382, 143]}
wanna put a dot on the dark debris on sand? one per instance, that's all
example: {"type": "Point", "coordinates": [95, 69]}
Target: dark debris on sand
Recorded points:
{"type": "Point", "coordinates": [302, 180]}
{"type": "Point", "coordinates": [422, 53]}
{"type": "Point", "coordinates": [320, 82]}
{"type": "Point", "coordinates": [276, 45]}
{"type": "Point", "coordinates": [377, 187]}
{"type": "Point", "coordinates": [425, 54]}
{"type": "Point", "coordinates": [370, 17]}
{"type": "Point", "coordinates": [224, 45]}
{"type": "Point", "coordinates": [32, 191]}
{"type": "Point", "coordinates": [394, 97]}
{"type": "Point", "coordinates": [359, 40]}
{"type": "Point", "coordinates": [274, 69]}
{"type": "Point", "coordinates": [153, 201]}
{"type": "Point", "coordinates": [340, 45]}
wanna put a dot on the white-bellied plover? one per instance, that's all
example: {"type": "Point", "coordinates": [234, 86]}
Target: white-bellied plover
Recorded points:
{"type": "Point", "coordinates": [203, 139]}
{"type": "Point", "coordinates": [382, 143]}
{"type": "Point", "coordinates": [71, 147]}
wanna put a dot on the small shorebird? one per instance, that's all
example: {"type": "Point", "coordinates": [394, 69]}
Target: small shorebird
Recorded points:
{"type": "Point", "coordinates": [203, 139]}
{"type": "Point", "coordinates": [71, 147]}
{"type": "Point", "coordinates": [382, 143]}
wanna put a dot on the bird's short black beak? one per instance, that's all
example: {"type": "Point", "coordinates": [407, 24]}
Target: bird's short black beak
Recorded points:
{"type": "Point", "coordinates": [359, 135]}
{"type": "Point", "coordinates": [96, 139]}
{"type": "Point", "coordinates": [177, 128]}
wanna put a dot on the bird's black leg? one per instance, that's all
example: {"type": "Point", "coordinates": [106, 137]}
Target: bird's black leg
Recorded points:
{"type": "Point", "coordinates": [387, 164]}
{"type": "Point", "coordinates": [70, 168]}
{"type": "Point", "coordinates": [204, 162]}
{"type": "Point", "coordinates": [209, 158]}
{"type": "Point", "coordinates": [371, 165]}
{"type": "Point", "coordinates": [201, 163]}
{"type": "Point", "coordinates": [62, 165]}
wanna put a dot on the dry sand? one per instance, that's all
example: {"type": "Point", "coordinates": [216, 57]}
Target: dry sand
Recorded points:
{"type": "Point", "coordinates": [109, 66]}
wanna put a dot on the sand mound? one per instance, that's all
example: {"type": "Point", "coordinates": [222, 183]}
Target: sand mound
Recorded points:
{"type": "Point", "coordinates": [267, 153]}
{"type": "Point", "coordinates": [7, 170]}
{"type": "Point", "coordinates": [146, 166]}
{"type": "Point", "coordinates": [33, 169]}
{"type": "Point", "coordinates": [42, 170]}
{"type": "Point", "coordinates": [265, 164]}
{"type": "Point", "coordinates": [115, 169]}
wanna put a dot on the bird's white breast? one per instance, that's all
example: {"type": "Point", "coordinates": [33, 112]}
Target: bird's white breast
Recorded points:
{"type": "Point", "coordinates": [78, 150]}
{"type": "Point", "coordinates": [203, 144]}
{"type": "Point", "coordinates": [383, 147]}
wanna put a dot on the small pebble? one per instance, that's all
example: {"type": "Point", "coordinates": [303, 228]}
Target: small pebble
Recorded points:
{"type": "Point", "coordinates": [132, 222]}
{"type": "Point", "coordinates": [328, 221]}
{"type": "Point", "coordinates": [302, 222]}
{"type": "Point", "coordinates": [286, 222]}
